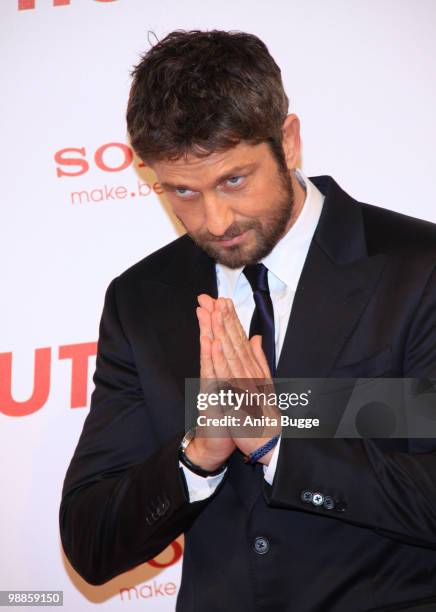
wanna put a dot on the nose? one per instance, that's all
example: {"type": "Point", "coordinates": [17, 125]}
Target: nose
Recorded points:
{"type": "Point", "coordinates": [219, 216]}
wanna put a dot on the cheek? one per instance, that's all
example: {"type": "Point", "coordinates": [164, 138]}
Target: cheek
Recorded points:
{"type": "Point", "coordinates": [189, 212]}
{"type": "Point", "coordinates": [258, 202]}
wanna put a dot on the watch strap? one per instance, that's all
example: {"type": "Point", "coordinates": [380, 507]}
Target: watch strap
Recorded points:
{"type": "Point", "coordinates": [184, 459]}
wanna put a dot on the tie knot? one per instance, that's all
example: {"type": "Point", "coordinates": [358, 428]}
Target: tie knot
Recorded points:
{"type": "Point", "coordinates": [257, 276]}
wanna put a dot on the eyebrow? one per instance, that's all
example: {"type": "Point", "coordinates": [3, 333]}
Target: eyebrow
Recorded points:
{"type": "Point", "coordinates": [236, 171]}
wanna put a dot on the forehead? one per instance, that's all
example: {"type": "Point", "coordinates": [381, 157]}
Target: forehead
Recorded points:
{"type": "Point", "coordinates": [193, 170]}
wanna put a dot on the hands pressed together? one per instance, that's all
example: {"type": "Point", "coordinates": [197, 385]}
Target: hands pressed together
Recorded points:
{"type": "Point", "coordinates": [225, 354]}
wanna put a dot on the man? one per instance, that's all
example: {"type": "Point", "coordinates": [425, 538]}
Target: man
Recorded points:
{"type": "Point", "coordinates": [336, 288]}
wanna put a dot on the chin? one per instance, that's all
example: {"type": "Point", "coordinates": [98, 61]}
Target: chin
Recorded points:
{"type": "Point", "coordinates": [235, 257]}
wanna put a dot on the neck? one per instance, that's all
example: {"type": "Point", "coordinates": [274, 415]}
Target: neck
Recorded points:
{"type": "Point", "coordinates": [299, 198]}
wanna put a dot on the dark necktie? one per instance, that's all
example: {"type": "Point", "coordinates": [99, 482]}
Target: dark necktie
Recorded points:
{"type": "Point", "coordinates": [262, 321]}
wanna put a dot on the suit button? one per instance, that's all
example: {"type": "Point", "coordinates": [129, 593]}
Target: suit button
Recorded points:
{"type": "Point", "coordinates": [329, 502]}
{"type": "Point", "coordinates": [162, 509]}
{"type": "Point", "coordinates": [317, 499]}
{"type": "Point", "coordinates": [306, 496]}
{"type": "Point", "coordinates": [261, 545]}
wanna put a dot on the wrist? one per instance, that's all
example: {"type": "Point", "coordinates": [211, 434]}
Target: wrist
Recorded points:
{"type": "Point", "coordinates": [197, 461]}
{"type": "Point", "coordinates": [263, 450]}
{"type": "Point", "coordinates": [265, 460]}
{"type": "Point", "coordinates": [199, 456]}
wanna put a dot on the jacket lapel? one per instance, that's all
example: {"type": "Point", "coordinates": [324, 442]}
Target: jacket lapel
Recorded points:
{"type": "Point", "coordinates": [336, 283]}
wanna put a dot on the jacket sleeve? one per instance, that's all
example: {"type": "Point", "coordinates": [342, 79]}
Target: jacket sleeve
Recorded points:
{"type": "Point", "coordinates": [124, 497]}
{"type": "Point", "coordinates": [393, 493]}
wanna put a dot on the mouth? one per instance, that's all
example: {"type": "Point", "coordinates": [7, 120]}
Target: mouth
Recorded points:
{"type": "Point", "coordinates": [231, 241]}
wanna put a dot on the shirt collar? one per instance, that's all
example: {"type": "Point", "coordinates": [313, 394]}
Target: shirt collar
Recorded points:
{"type": "Point", "coordinates": [287, 258]}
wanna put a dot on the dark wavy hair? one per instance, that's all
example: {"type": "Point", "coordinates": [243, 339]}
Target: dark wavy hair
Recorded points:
{"type": "Point", "coordinates": [202, 91]}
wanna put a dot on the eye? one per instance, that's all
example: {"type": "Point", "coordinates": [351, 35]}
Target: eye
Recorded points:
{"type": "Point", "coordinates": [235, 181]}
{"type": "Point", "coordinates": [184, 193]}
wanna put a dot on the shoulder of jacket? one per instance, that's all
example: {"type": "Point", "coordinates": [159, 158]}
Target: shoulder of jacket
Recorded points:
{"type": "Point", "coordinates": [153, 265]}
{"type": "Point", "coordinates": [398, 234]}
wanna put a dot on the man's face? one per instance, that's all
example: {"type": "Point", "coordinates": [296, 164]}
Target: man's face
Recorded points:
{"type": "Point", "coordinates": [234, 204]}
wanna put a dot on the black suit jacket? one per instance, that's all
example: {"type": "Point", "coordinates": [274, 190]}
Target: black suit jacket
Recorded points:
{"type": "Point", "coordinates": [365, 307]}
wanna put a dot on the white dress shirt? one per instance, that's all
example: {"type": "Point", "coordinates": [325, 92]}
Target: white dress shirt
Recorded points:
{"type": "Point", "coordinates": [284, 263]}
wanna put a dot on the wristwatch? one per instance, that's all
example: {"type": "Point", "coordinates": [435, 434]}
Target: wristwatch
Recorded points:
{"type": "Point", "coordinates": [187, 438]}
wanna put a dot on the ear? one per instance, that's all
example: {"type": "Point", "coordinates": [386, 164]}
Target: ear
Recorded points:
{"type": "Point", "coordinates": [291, 140]}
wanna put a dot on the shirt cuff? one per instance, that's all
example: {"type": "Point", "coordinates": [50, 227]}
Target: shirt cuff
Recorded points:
{"type": "Point", "coordinates": [200, 487]}
{"type": "Point", "coordinates": [270, 469]}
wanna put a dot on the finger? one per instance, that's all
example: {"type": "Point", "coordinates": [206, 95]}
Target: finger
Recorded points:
{"type": "Point", "coordinates": [206, 301]}
{"type": "Point", "coordinates": [204, 322]}
{"type": "Point", "coordinates": [256, 345]}
{"type": "Point", "coordinates": [237, 323]}
{"type": "Point", "coordinates": [229, 352]}
{"type": "Point", "coordinates": [220, 363]}
{"type": "Point", "coordinates": [240, 341]}
{"type": "Point", "coordinates": [206, 363]}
